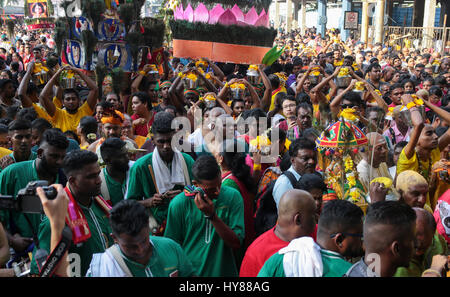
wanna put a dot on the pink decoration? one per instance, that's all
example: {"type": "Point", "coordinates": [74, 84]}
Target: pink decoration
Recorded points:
{"type": "Point", "coordinates": [201, 14]}
{"type": "Point", "coordinates": [263, 19]}
{"type": "Point", "coordinates": [179, 12]}
{"type": "Point", "coordinates": [215, 14]}
{"type": "Point", "coordinates": [189, 14]}
{"type": "Point", "coordinates": [227, 18]}
{"type": "Point", "coordinates": [238, 13]}
{"type": "Point", "coordinates": [251, 17]}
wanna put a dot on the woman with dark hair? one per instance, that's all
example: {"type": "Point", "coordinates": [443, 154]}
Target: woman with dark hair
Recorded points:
{"type": "Point", "coordinates": [87, 131]}
{"type": "Point", "coordinates": [236, 174]}
{"type": "Point", "coordinates": [143, 115]}
{"type": "Point", "coordinates": [409, 86]}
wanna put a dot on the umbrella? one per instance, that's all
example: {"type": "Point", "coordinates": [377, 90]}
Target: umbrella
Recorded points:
{"type": "Point", "coordinates": [341, 134]}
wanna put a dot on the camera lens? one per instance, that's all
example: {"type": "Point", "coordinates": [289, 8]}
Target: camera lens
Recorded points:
{"type": "Point", "coordinates": [50, 192]}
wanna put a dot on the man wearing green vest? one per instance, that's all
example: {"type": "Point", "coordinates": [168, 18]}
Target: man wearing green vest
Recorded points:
{"type": "Point", "coordinates": [87, 214]}
{"type": "Point", "coordinates": [159, 176]}
{"type": "Point", "coordinates": [135, 254]}
{"type": "Point", "coordinates": [15, 177]}
{"type": "Point", "coordinates": [208, 227]}
{"type": "Point", "coordinates": [339, 236]}
{"type": "Point", "coordinates": [116, 173]}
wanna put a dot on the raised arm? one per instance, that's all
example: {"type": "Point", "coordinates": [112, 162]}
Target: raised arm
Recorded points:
{"type": "Point", "coordinates": [302, 80]}
{"type": "Point", "coordinates": [208, 84]}
{"type": "Point", "coordinates": [23, 87]}
{"type": "Point", "coordinates": [444, 140]}
{"type": "Point", "coordinates": [266, 99]}
{"type": "Point", "coordinates": [93, 89]}
{"type": "Point", "coordinates": [335, 104]}
{"type": "Point", "coordinates": [418, 125]}
{"type": "Point", "coordinates": [253, 94]}
{"type": "Point", "coordinates": [219, 73]}
{"type": "Point", "coordinates": [45, 98]}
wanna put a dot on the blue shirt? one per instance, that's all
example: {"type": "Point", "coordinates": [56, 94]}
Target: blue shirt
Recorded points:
{"type": "Point", "coordinates": [283, 184]}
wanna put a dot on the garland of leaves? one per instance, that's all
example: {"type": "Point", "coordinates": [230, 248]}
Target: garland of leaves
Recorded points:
{"type": "Point", "coordinates": [39, 20]}
{"type": "Point", "coordinates": [244, 5]}
{"type": "Point", "coordinates": [61, 33]}
{"type": "Point", "coordinates": [234, 34]}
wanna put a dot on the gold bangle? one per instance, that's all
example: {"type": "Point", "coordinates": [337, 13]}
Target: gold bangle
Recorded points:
{"type": "Point", "coordinates": [435, 272]}
{"type": "Point", "coordinates": [256, 167]}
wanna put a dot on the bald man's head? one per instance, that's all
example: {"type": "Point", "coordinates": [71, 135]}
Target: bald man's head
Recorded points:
{"type": "Point", "coordinates": [425, 229]}
{"type": "Point", "coordinates": [296, 210]}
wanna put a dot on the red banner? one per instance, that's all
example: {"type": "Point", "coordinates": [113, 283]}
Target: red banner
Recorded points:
{"type": "Point", "coordinates": [41, 26]}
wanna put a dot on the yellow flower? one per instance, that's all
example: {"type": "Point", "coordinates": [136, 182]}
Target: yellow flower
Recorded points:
{"type": "Point", "coordinates": [386, 181]}
{"type": "Point", "coordinates": [253, 67]}
{"type": "Point", "coordinates": [192, 76]}
{"type": "Point", "coordinates": [315, 73]}
{"type": "Point", "coordinates": [351, 180]}
{"type": "Point", "coordinates": [210, 97]}
{"type": "Point", "coordinates": [349, 114]}
{"type": "Point", "coordinates": [354, 195]}
{"type": "Point", "coordinates": [343, 72]}
{"type": "Point", "coordinates": [436, 62]}
{"type": "Point", "coordinates": [237, 86]}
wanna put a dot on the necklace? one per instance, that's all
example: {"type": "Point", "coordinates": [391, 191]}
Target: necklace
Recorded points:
{"type": "Point", "coordinates": [421, 170]}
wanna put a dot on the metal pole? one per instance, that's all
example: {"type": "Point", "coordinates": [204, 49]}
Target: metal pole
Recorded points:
{"type": "Point", "coordinates": [444, 35]}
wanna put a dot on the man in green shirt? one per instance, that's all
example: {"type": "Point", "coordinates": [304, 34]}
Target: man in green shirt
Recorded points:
{"type": "Point", "coordinates": [87, 213]}
{"type": "Point", "coordinates": [161, 175]}
{"type": "Point", "coordinates": [210, 226]}
{"type": "Point", "coordinates": [116, 173]}
{"type": "Point", "coordinates": [15, 177]}
{"type": "Point", "coordinates": [339, 236]}
{"type": "Point", "coordinates": [428, 244]}
{"type": "Point", "coordinates": [135, 254]}
{"type": "Point", "coordinates": [19, 132]}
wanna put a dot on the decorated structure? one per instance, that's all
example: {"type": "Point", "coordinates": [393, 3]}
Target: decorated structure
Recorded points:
{"type": "Point", "coordinates": [38, 14]}
{"type": "Point", "coordinates": [108, 37]}
{"type": "Point", "coordinates": [338, 146]}
{"type": "Point", "coordinates": [223, 31]}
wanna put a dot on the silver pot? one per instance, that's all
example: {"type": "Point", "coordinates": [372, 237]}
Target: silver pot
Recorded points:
{"type": "Point", "coordinates": [436, 68]}
{"type": "Point", "coordinates": [68, 83]}
{"type": "Point", "coordinates": [236, 93]}
{"type": "Point", "coordinates": [315, 79]}
{"type": "Point", "coordinates": [40, 78]}
{"type": "Point", "coordinates": [343, 81]}
{"type": "Point", "coordinates": [190, 84]}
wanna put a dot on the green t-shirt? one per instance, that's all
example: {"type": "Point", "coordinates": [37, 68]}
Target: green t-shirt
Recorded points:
{"type": "Point", "coordinates": [12, 179]}
{"type": "Point", "coordinates": [141, 186]}
{"type": "Point", "coordinates": [334, 265]}
{"type": "Point", "coordinates": [168, 260]}
{"type": "Point", "coordinates": [80, 256]}
{"type": "Point", "coordinates": [417, 267]}
{"type": "Point", "coordinates": [207, 251]}
{"type": "Point", "coordinates": [116, 190]}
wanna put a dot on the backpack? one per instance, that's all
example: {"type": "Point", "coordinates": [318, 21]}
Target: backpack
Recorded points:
{"type": "Point", "coordinates": [266, 214]}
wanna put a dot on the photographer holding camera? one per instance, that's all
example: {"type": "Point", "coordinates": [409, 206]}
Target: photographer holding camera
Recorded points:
{"type": "Point", "coordinates": [22, 227]}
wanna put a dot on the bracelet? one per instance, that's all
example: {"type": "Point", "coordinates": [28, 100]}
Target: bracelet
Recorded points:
{"type": "Point", "coordinates": [211, 217]}
{"type": "Point", "coordinates": [256, 167]}
{"type": "Point", "coordinates": [435, 272]}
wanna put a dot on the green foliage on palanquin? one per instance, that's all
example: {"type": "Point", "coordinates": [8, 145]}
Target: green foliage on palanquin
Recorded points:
{"type": "Point", "coordinates": [89, 41]}
{"type": "Point", "coordinates": [234, 34]}
{"type": "Point", "coordinates": [61, 33]}
{"type": "Point", "coordinates": [50, 8]}
{"type": "Point", "coordinates": [154, 30]}
{"type": "Point", "coordinates": [244, 5]}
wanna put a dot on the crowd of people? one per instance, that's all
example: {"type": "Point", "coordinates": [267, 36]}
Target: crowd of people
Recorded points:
{"type": "Point", "coordinates": [201, 168]}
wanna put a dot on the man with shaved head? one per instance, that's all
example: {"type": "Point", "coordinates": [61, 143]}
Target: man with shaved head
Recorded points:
{"type": "Point", "coordinates": [413, 189]}
{"type": "Point", "coordinates": [373, 164]}
{"type": "Point", "coordinates": [428, 244]}
{"type": "Point", "coordinates": [296, 213]}
{"type": "Point", "coordinates": [389, 235]}
{"type": "Point", "coordinates": [339, 235]}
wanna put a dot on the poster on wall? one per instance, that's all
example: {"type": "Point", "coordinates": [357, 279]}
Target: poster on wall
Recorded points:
{"type": "Point", "coordinates": [38, 13]}
{"type": "Point", "coordinates": [351, 20]}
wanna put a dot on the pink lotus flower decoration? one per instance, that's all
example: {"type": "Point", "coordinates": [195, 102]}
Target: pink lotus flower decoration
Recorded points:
{"type": "Point", "coordinates": [218, 15]}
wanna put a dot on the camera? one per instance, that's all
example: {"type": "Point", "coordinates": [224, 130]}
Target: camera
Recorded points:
{"type": "Point", "coordinates": [27, 200]}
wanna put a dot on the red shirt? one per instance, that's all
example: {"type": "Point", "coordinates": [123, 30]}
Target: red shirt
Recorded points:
{"type": "Point", "coordinates": [142, 129]}
{"type": "Point", "coordinates": [262, 249]}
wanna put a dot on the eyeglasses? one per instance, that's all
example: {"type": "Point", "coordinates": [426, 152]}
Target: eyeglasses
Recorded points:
{"type": "Point", "coordinates": [347, 234]}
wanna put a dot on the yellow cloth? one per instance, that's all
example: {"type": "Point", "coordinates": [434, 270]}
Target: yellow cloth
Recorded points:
{"type": "Point", "coordinates": [272, 103]}
{"type": "Point", "coordinates": [413, 164]}
{"type": "Point", "coordinates": [84, 147]}
{"type": "Point", "coordinates": [4, 152]}
{"type": "Point", "coordinates": [57, 102]}
{"type": "Point", "coordinates": [42, 113]}
{"type": "Point", "coordinates": [66, 121]}
{"type": "Point", "coordinates": [140, 140]}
